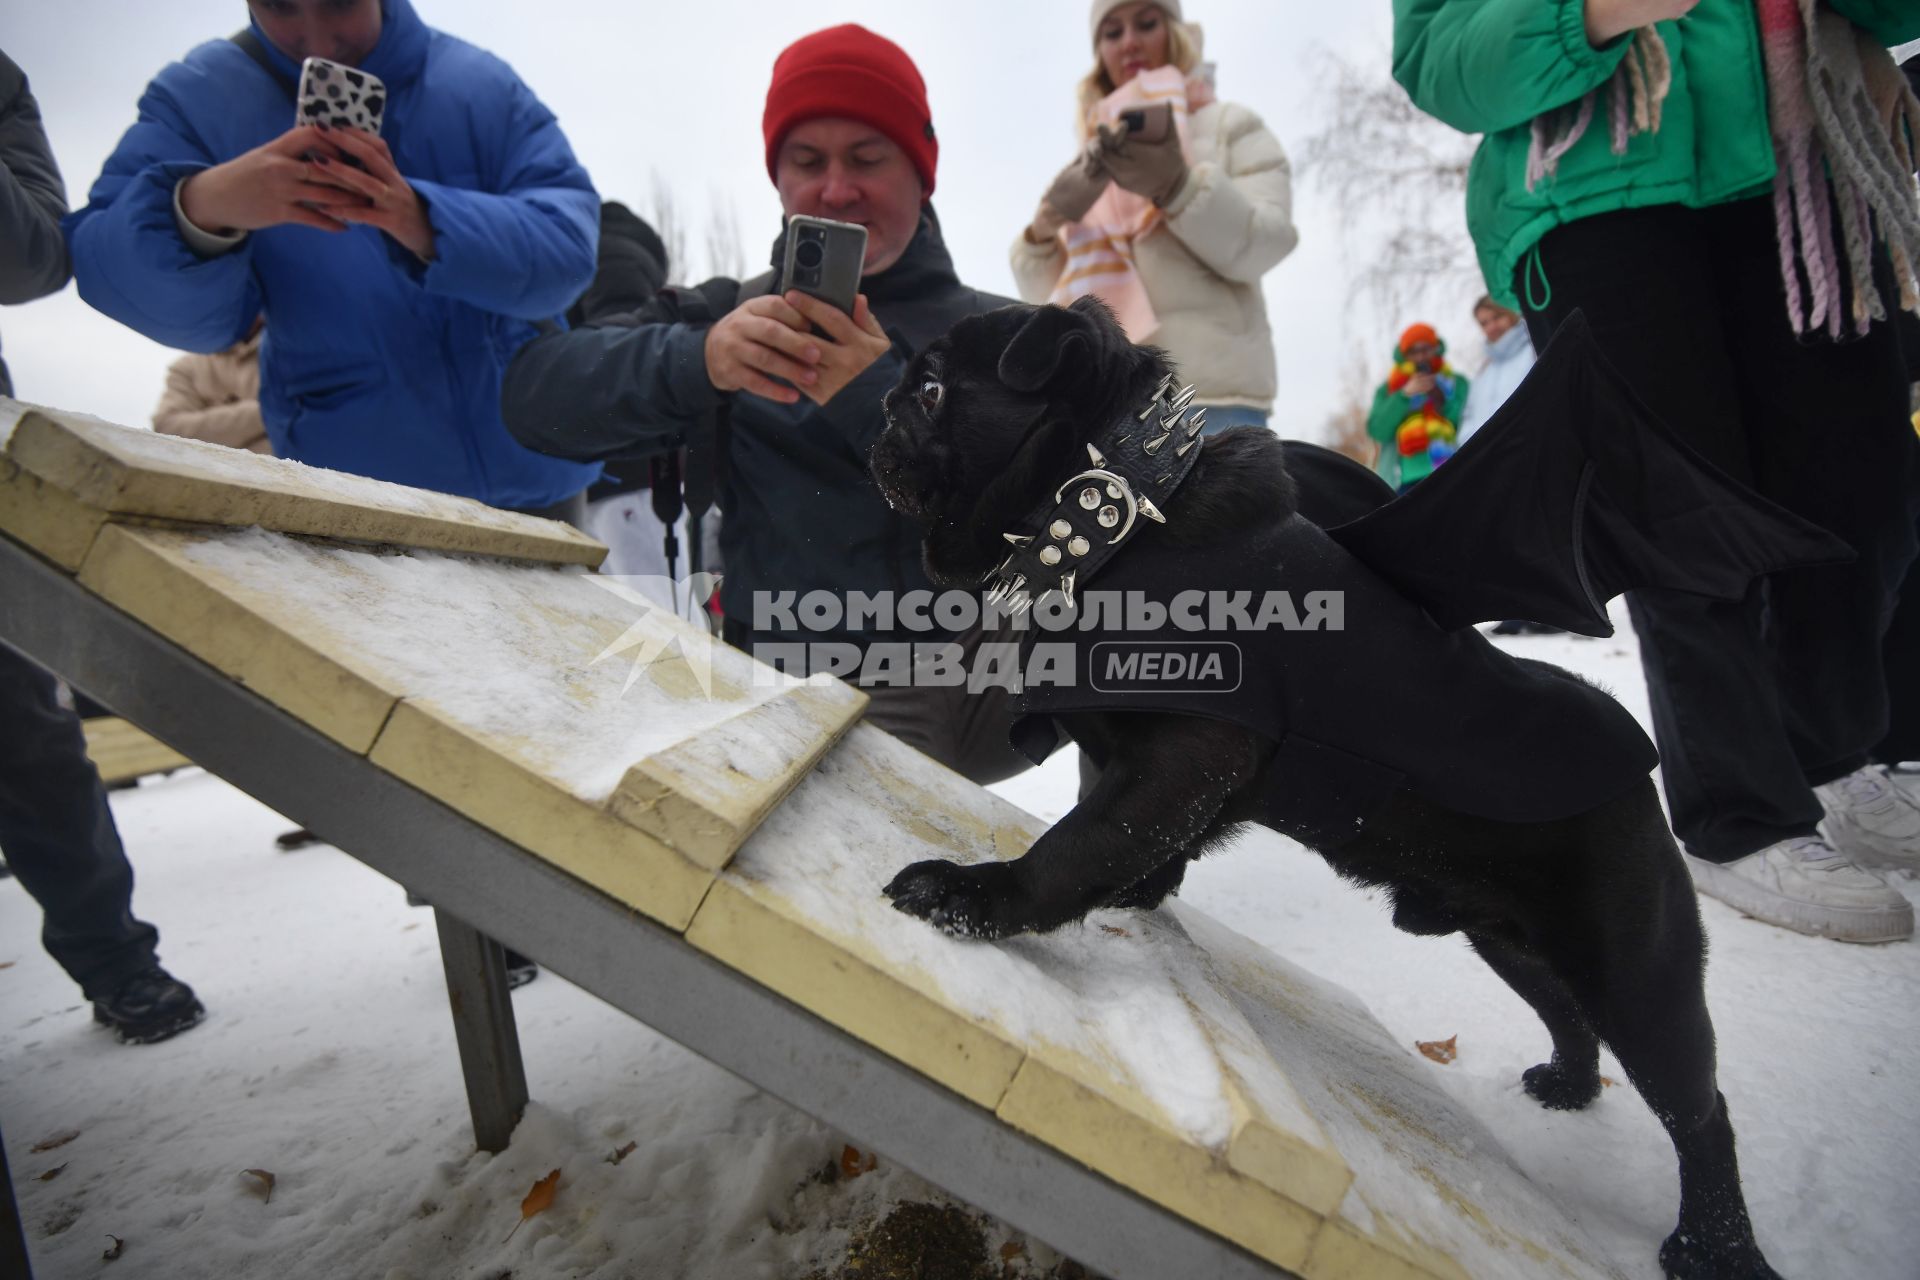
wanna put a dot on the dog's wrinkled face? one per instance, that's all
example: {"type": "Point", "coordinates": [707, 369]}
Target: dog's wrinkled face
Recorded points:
{"type": "Point", "coordinates": [991, 416]}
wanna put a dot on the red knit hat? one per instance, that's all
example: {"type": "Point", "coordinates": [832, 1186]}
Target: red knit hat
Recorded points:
{"type": "Point", "coordinates": [851, 73]}
{"type": "Point", "coordinates": [1416, 334]}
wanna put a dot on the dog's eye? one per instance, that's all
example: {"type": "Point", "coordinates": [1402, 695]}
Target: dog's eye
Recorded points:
{"type": "Point", "coordinates": [931, 394]}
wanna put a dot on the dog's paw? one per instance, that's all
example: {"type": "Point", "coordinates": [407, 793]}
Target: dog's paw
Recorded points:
{"type": "Point", "coordinates": [1684, 1257]}
{"type": "Point", "coordinates": [1560, 1086]}
{"type": "Point", "coordinates": [968, 902]}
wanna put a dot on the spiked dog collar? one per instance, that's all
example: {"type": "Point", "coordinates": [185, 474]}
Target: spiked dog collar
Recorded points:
{"type": "Point", "coordinates": [1136, 465]}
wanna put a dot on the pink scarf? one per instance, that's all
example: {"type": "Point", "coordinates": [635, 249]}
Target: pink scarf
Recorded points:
{"type": "Point", "coordinates": [1100, 245]}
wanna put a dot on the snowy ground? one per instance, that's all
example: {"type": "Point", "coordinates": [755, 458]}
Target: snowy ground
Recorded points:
{"type": "Point", "coordinates": [328, 1060]}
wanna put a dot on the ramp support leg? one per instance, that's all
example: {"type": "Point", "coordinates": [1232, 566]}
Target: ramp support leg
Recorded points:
{"type": "Point", "coordinates": [484, 1029]}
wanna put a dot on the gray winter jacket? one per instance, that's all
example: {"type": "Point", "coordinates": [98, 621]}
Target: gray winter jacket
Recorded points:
{"type": "Point", "coordinates": [33, 256]}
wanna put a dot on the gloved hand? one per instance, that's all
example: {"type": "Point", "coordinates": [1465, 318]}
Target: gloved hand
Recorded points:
{"type": "Point", "coordinates": [1073, 192]}
{"type": "Point", "coordinates": [1155, 170]}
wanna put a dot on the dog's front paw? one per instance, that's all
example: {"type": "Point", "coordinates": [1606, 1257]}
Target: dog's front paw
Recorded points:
{"type": "Point", "coordinates": [968, 902]}
{"type": "Point", "coordinates": [1561, 1086]}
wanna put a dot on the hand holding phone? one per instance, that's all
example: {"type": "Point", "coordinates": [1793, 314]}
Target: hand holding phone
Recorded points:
{"type": "Point", "coordinates": [274, 183]}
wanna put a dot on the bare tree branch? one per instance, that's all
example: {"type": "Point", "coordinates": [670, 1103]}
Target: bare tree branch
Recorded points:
{"type": "Point", "coordinates": [1398, 179]}
{"type": "Point", "coordinates": [663, 212]}
{"type": "Point", "coordinates": [726, 255]}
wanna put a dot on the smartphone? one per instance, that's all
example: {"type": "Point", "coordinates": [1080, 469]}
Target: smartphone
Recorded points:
{"type": "Point", "coordinates": [340, 97]}
{"type": "Point", "coordinates": [824, 258]}
{"type": "Point", "coordinates": [1149, 124]}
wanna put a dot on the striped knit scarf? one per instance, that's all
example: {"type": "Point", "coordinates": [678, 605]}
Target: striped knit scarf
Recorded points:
{"type": "Point", "coordinates": [1099, 247]}
{"type": "Point", "coordinates": [1845, 126]}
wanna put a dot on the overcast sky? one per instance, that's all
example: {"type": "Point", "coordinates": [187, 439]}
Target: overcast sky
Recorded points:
{"type": "Point", "coordinates": [677, 90]}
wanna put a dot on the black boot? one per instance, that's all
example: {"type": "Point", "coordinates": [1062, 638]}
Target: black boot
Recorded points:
{"type": "Point", "coordinates": [520, 970]}
{"type": "Point", "coordinates": [149, 1007]}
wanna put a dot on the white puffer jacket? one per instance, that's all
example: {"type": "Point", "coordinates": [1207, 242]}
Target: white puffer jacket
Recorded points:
{"type": "Point", "coordinates": [1230, 224]}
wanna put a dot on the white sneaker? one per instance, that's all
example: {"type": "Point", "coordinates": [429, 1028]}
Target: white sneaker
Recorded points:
{"type": "Point", "coordinates": [1872, 821]}
{"type": "Point", "coordinates": [1805, 884]}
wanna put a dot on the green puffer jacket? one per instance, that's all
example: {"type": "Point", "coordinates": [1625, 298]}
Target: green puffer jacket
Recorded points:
{"type": "Point", "coordinates": [1491, 66]}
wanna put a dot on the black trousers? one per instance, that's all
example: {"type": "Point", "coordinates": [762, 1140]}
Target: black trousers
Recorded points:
{"type": "Point", "coordinates": [1754, 702]}
{"type": "Point", "coordinates": [59, 837]}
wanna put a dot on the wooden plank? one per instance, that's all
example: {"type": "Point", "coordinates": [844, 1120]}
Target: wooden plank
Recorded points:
{"type": "Point", "coordinates": [44, 518]}
{"type": "Point", "coordinates": [123, 752]}
{"type": "Point", "coordinates": [149, 574]}
{"type": "Point", "coordinates": [421, 746]}
{"type": "Point", "coordinates": [131, 474]}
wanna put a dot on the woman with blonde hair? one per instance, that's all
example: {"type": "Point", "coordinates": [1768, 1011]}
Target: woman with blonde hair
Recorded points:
{"type": "Point", "coordinates": [1176, 206]}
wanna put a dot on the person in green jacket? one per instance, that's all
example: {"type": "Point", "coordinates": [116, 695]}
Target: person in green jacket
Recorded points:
{"type": "Point", "coordinates": [1415, 417]}
{"type": "Point", "coordinates": [1696, 176]}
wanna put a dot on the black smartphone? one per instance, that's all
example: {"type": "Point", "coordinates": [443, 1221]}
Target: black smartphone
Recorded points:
{"type": "Point", "coordinates": [824, 258]}
{"type": "Point", "coordinates": [1149, 124]}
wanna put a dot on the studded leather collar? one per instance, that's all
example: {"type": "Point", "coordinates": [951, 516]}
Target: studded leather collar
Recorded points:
{"type": "Point", "coordinates": [1136, 465]}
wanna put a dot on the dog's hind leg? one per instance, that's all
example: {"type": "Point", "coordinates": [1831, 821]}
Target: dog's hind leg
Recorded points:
{"type": "Point", "coordinates": [1646, 998]}
{"type": "Point", "coordinates": [1571, 1079]}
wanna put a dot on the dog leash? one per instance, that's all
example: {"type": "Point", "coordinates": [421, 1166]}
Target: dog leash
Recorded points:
{"type": "Point", "coordinates": [1137, 464]}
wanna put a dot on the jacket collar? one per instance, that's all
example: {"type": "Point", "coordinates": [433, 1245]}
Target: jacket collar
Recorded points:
{"type": "Point", "coordinates": [397, 58]}
{"type": "Point", "coordinates": [1508, 344]}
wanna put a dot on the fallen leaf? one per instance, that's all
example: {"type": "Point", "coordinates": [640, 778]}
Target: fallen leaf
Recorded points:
{"type": "Point", "coordinates": [853, 1164]}
{"type": "Point", "coordinates": [538, 1200]}
{"type": "Point", "coordinates": [6, 964]}
{"type": "Point", "coordinates": [113, 1250]}
{"type": "Point", "coordinates": [1114, 929]}
{"type": "Point", "coordinates": [266, 1180]}
{"type": "Point", "coordinates": [1607, 1082]}
{"type": "Point", "coordinates": [617, 1156]}
{"type": "Point", "coordinates": [1011, 1249]}
{"type": "Point", "coordinates": [1441, 1051]}
{"type": "Point", "coordinates": [52, 1173]}
{"type": "Point", "coordinates": [57, 1140]}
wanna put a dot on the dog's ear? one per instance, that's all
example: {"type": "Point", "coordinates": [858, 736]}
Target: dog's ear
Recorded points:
{"type": "Point", "coordinates": [1061, 345]}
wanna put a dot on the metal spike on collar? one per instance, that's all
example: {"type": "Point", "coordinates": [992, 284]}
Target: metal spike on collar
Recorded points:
{"type": "Point", "coordinates": [1196, 423]}
{"type": "Point", "coordinates": [1153, 401]}
{"type": "Point", "coordinates": [1066, 586]}
{"type": "Point", "coordinates": [1099, 458]}
{"type": "Point", "coordinates": [1150, 511]}
{"type": "Point", "coordinates": [1180, 402]}
{"type": "Point", "coordinates": [1018, 539]}
{"type": "Point", "coordinates": [1152, 446]}
{"type": "Point", "coordinates": [1181, 452]}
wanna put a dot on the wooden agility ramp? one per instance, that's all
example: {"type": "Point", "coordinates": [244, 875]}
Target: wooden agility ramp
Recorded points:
{"type": "Point", "coordinates": [448, 693]}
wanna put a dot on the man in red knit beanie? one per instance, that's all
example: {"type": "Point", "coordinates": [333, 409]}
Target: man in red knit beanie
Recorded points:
{"type": "Point", "coordinates": [788, 390]}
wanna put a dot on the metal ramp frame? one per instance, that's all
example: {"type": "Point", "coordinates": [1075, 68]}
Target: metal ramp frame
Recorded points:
{"type": "Point", "coordinates": [485, 888]}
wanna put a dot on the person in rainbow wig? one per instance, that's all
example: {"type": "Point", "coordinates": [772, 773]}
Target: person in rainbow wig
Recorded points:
{"type": "Point", "coordinates": [1416, 411]}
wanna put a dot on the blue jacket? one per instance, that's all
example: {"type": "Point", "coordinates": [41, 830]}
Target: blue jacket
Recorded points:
{"type": "Point", "coordinates": [374, 362]}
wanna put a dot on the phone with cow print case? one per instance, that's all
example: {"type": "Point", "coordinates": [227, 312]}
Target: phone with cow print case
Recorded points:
{"type": "Point", "coordinates": [340, 97]}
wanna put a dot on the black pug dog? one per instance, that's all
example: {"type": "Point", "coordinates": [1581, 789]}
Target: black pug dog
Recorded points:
{"type": "Point", "coordinates": [1589, 916]}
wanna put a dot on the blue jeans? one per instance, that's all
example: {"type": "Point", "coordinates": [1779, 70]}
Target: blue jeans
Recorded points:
{"type": "Point", "coordinates": [1222, 416]}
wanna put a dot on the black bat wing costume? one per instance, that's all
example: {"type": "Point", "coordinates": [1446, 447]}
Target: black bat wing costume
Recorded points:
{"type": "Point", "coordinates": [1570, 495]}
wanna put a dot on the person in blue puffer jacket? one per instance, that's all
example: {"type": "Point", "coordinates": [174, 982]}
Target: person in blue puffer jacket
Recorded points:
{"type": "Point", "coordinates": [394, 296]}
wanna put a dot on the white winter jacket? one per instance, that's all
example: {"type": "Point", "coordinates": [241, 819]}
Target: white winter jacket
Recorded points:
{"type": "Point", "coordinates": [1230, 224]}
{"type": "Point", "coordinates": [1508, 359]}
